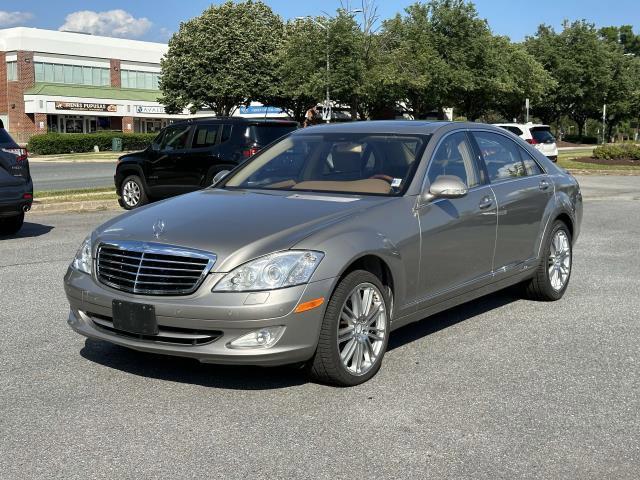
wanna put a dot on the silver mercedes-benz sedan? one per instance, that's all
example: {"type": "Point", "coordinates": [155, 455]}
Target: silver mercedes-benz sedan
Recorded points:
{"type": "Point", "coordinates": [321, 245]}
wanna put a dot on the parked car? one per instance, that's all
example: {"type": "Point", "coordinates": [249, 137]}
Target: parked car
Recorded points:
{"type": "Point", "coordinates": [16, 186]}
{"type": "Point", "coordinates": [315, 249]}
{"type": "Point", "coordinates": [537, 135]}
{"type": "Point", "coordinates": [187, 155]}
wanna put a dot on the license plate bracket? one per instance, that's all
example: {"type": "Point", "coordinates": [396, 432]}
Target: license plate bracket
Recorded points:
{"type": "Point", "coordinates": [137, 318]}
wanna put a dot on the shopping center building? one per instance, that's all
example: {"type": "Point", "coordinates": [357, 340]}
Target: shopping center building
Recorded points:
{"type": "Point", "coordinates": [68, 82]}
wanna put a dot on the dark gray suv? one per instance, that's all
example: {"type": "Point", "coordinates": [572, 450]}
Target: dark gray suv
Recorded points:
{"type": "Point", "coordinates": [321, 245]}
{"type": "Point", "coordinates": [16, 187]}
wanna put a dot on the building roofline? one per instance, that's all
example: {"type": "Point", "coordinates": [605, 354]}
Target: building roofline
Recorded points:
{"type": "Point", "coordinates": [79, 44]}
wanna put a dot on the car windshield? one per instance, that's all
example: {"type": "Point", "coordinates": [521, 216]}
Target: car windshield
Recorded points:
{"type": "Point", "coordinates": [366, 163]}
{"type": "Point", "coordinates": [542, 135]}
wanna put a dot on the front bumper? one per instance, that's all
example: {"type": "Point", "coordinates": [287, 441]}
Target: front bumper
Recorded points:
{"type": "Point", "coordinates": [221, 315]}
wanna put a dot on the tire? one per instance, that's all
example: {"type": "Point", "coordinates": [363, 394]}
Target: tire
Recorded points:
{"type": "Point", "coordinates": [132, 193]}
{"type": "Point", "coordinates": [11, 225]}
{"type": "Point", "coordinates": [327, 366]}
{"type": "Point", "coordinates": [553, 273]}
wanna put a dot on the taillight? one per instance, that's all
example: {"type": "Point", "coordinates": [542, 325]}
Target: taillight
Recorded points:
{"type": "Point", "coordinates": [532, 141]}
{"type": "Point", "coordinates": [21, 153]}
{"type": "Point", "coordinates": [250, 152]}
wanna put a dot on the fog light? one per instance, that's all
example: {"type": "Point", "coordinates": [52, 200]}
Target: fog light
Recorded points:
{"type": "Point", "coordinates": [264, 338]}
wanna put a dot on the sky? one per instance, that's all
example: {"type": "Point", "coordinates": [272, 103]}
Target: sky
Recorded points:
{"type": "Point", "coordinates": [156, 20]}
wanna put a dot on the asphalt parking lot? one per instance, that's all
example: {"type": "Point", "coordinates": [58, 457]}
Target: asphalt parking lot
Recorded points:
{"type": "Point", "coordinates": [498, 388]}
{"type": "Point", "coordinates": [71, 175]}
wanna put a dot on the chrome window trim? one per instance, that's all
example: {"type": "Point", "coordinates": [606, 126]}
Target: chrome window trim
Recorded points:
{"type": "Point", "coordinates": [154, 248]}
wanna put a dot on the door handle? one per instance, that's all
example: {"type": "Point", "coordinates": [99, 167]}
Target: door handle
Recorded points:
{"type": "Point", "coordinates": [544, 184]}
{"type": "Point", "coordinates": [485, 203]}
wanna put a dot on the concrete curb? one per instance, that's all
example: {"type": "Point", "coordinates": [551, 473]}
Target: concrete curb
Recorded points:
{"type": "Point", "coordinates": [80, 206]}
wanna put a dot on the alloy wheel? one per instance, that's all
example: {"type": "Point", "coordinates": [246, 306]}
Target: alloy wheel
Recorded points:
{"type": "Point", "coordinates": [559, 265]}
{"type": "Point", "coordinates": [131, 193]}
{"type": "Point", "coordinates": [362, 329]}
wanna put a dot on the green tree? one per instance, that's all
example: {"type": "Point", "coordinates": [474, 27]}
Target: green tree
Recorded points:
{"type": "Point", "coordinates": [223, 58]}
{"type": "Point", "coordinates": [409, 67]}
{"type": "Point", "coordinates": [524, 76]}
{"type": "Point", "coordinates": [582, 65]}
{"type": "Point", "coordinates": [622, 36]}
{"type": "Point", "coordinates": [299, 68]}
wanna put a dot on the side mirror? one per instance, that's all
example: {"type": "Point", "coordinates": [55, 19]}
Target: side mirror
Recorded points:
{"type": "Point", "coordinates": [446, 186]}
{"type": "Point", "coordinates": [219, 176]}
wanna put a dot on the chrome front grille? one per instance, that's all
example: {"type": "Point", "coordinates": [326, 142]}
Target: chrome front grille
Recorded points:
{"type": "Point", "coordinates": [152, 269]}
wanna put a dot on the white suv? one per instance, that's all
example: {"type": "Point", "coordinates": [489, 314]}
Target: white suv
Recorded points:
{"type": "Point", "coordinates": [537, 135]}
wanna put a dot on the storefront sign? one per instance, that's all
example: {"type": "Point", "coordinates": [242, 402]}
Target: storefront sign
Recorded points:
{"type": "Point", "coordinates": [258, 110]}
{"type": "Point", "coordinates": [150, 109]}
{"type": "Point", "coordinates": [92, 107]}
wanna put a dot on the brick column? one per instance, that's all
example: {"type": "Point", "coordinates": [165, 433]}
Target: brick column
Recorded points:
{"type": "Point", "coordinates": [3, 83]}
{"type": "Point", "coordinates": [115, 73]}
{"type": "Point", "coordinates": [40, 118]}
{"type": "Point", "coordinates": [127, 124]}
{"type": "Point", "coordinates": [21, 125]}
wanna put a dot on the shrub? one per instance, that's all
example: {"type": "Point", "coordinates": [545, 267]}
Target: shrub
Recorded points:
{"type": "Point", "coordinates": [618, 151]}
{"type": "Point", "coordinates": [578, 139]}
{"type": "Point", "coordinates": [56, 143]}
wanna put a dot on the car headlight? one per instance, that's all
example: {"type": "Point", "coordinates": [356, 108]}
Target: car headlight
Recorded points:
{"type": "Point", "coordinates": [82, 261]}
{"type": "Point", "coordinates": [278, 270]}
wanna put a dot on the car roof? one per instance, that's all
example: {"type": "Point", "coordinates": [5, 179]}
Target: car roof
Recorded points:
{"type": "Point", "coordinates": [379, 126]}
{"type": "Point", "coordinates": [248, 121]}
{"type": "Point", "coordinates": [522, 125]}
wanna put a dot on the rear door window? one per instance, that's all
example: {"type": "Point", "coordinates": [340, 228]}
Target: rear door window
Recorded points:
{"type": "Point", "coordinates": [512, 129]}
{"type": "Point", "coordinates": [265, 134]}
{"type": "Point", "coordinates": [501, 156]}
{"type": "Point", "coordinates": [542, 135]}
{"type": "Point", "coordinates": [205, 136]}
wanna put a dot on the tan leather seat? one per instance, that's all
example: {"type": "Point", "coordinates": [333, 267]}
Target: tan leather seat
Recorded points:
{"type": "Point", "coordinates": [370, 185]}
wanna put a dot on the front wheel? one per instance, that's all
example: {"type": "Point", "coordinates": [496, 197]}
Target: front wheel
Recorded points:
{"type": "Point", "coordinates": [354, 333]}
{"type": "Point", "coordinates": [552, 277]}
{"type": "Point", "coordinates": [11, 225]}
{"type": "Point", "coordinates": [132, 193]}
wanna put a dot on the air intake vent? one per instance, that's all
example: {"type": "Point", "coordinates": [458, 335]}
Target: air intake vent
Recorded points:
{"type": "Point", "coordinates": [152, 269]}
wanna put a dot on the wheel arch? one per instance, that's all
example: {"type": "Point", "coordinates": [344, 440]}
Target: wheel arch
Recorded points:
{"type": "Point", "coordinates": [377, 266]}
{"type": "Point", "coordinates": [127, 169]}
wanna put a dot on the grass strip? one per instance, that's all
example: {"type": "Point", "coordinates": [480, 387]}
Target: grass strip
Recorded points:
{"type": "Point", "coordinates": [75, 195]}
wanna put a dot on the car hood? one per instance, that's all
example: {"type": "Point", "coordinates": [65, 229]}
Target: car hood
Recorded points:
{"type": "Point", "coordinates": [236, 225]}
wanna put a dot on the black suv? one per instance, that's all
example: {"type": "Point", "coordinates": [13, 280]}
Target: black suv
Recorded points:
{"type": "Point", "coordinates": [16, 187]}
{"type": "Point", "coordinates": [187, 155]}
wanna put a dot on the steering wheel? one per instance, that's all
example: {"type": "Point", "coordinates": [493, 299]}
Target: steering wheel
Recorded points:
{"type": "Point", "coordinates": [381, 176]}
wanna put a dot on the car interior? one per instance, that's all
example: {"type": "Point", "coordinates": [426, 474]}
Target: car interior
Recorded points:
{"type": "Point", "coordinates": [379, 165]}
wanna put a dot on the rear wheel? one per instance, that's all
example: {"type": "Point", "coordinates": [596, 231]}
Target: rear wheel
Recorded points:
{"type": "Point", "coordinates": [553, 274]}
{"type": "Point", "coordinates": [132, 193]}
{"type": "Point", "coordinates": [11, 225]}
{"type": "Point", "coordinates": [354, 333]}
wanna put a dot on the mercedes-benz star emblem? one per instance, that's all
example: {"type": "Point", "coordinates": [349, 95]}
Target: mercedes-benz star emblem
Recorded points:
{"type": "Point", "coordinates": [158, 228]}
